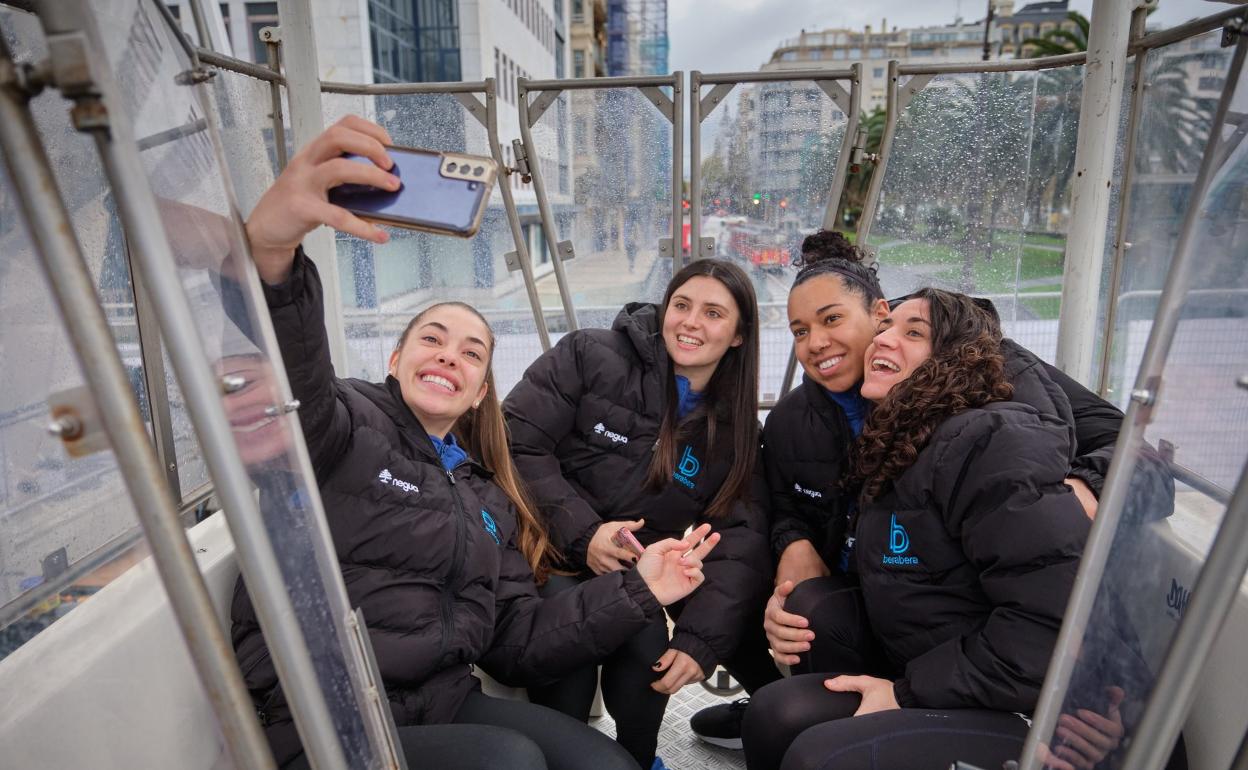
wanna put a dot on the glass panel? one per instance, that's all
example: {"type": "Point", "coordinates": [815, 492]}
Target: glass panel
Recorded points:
{"type": "Point", "coordinates": [1200, 422]}
{"type": "Point", "coordinates": [976, 193]}
{"type": "Point", "coordinates": [769, 155]}
{"type": "Point", "coordinates": [189, 176]}
{"type": "Point", "coordinates": [62, 520]}
{"type": "Point", "coordinates": [384, 286]}
{"type": "Point", "coordinates": [1170, 140]}
{"type": "Point", "coordinates": [245, 105]}
{"type": "Point", "coordinates": [610, 192]}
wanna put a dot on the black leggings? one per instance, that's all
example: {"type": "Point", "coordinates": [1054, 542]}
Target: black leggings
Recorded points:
{"type": "Point", "coordinates": [798, 724]}
{"type": "Point", "coordinates": [838, 618]}
{"type": "Point", "coordinates": [491, 732]}
{"type": "Point", "coordinates": [627, 674]}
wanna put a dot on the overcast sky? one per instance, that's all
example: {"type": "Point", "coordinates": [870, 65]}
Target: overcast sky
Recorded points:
{"type": "Point", "coordinates": [739, 35]}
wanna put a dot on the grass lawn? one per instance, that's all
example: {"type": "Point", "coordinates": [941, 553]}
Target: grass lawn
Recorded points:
{"type": "Point", "coordinates": [990, 277]}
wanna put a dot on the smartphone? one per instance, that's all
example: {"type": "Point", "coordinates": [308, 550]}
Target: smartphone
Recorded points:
{"type": "Point", "coordinates": [624, 538]}
{"type": "Point", "coordinates": [441, 192]}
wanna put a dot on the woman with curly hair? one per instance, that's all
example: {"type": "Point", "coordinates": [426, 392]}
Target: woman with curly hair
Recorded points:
{"type": "Point", "coordinates": [967, 545]}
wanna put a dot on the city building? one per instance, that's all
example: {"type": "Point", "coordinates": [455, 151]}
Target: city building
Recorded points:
{"type": "Point", "coordinates": [390, 41]}
{"type": "Point", "coordinates": [637, 42]}
{"type": "Point", "coordinates": [588, 38]}
{"type": "Point", "coordinates": [1031, 21]}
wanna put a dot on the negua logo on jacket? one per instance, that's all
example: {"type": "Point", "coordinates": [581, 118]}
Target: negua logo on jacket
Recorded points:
{"type": "Point", "coordinates": [603, 430]}
{"type": "Point", "coordinates": [387, 478]}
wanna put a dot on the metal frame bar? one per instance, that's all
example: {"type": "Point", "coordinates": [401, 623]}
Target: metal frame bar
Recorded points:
{"type": "Point", "coordinates": [869, 204]}
{"type": "Point", "coordinates": [737, 78]}
{"type": "Point", "coordinates": [70, 282]}
{"type": "Point", "coordinates": [543, 204]}
{"type": "Point", "coordinates": [696, 117]}
{"type": "Point", "coordinates": [251, 69]}
{"type": "Point", "coordinates": [1124, 205]}
{"type": "Point", "coordinates": [307, 121]}
{"type": "Point", "coordinates": [841, 174]}
{"type": "Point", "coordinates": [678, 170]}
{"type": "Point", "coordinates": [1189, 30]}
{"type": "Point", "coordinates": [1091, 186]}
{"type": "Point", "coordinates": [136, 204]}
{"type": "Point", "coordinates": [1006, 65]}
{"type": "Point", "coordinates": [391, 89]}
{"type": "Point", "coordinates": [513, 217]}
{"type": "Point", "coordinates": [1114, 495]}
{"type": "Point", "coordinates": [273, 57]}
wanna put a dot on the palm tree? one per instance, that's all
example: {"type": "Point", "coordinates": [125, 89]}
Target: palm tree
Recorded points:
{"type": "Point", "coordinates": [1056, 42]}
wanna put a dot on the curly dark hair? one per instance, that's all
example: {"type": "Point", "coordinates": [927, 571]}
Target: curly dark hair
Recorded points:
{"type": "Point", "coordinates": [965, 371]}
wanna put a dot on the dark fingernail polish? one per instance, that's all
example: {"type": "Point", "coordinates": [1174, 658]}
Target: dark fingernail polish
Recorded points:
{"type": "Point", "coordinates": [657, 663]}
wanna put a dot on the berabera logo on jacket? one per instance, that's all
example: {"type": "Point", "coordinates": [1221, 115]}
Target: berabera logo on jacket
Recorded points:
{"type": "Point", "coordinates": [603, 430]}
{"type": "Point", "coordinates": [490, 525]}
{"type": "Point", "coordinates": [387, 478]}
{"type": "Point", "coordinates": [687, 468]}
{"type": "Point", "coordinates": [898, 545]}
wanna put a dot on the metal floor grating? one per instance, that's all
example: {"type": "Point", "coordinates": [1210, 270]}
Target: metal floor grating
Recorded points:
{"type": "Point", "coordinates": [678, 747]}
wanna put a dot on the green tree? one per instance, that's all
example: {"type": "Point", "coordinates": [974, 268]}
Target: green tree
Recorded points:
{"type": "Point", "coordinates": [1056, 42]}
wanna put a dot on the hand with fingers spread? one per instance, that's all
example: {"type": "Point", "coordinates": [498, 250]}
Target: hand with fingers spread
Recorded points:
{"type": "Point", "coordinates": [298, 201]}
{"type": "Point", "coordinates": [603, 556]}
{"type": "Point", "coordinates": [1085, 738]}
{"type": "Point", "coordinates": [681, 669]}
{"type": "Point", "coordinates": [877, 694]}
{"type": "Point", "coordinates": [673, 568]}
{"type": "Point", "coordinates": [788, 635]}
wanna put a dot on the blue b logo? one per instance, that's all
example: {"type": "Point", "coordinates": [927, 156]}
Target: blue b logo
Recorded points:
{"type": "Point", "coordinates": [689, 465]}
{"type": "Point", "coordinates": [898, 540]}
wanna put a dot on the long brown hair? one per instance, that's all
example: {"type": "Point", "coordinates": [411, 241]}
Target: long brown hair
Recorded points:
{"type": "Point", "coordinates": [482, 432]}
{"type": "Point", "coordinates": [965, 371]}
{"type": "Point", "coordinates": [730, 396]}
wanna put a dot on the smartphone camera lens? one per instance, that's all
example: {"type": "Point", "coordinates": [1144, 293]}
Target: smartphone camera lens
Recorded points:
{"type": "Point", "coordinates": [472, 186]}
{"type": "Point", "coordinates": [450, 167]}
{"type": "Point", "coordinates": [478, 171]}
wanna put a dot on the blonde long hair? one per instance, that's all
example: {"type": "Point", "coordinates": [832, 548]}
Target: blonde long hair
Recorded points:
{"type": "Point", "coordinates": [482, 431]}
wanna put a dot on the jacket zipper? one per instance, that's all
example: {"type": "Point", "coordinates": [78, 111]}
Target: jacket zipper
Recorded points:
{"type": "Point", "coordinates": [457, 564]}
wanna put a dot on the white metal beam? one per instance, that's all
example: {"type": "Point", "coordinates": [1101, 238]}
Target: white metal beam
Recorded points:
{"type": "Point", "coordinates": [1094, 171]}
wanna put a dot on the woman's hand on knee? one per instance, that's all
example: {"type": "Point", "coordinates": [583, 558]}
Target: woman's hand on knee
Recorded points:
{"type": "Point", "coordinates": [788, 635]}
{"type": "Point", "coordinates": [681, 670]}
{"type": "Point", "coordinates": [877, 694]}
{"type": "Point", "coordinates": [298, 201]}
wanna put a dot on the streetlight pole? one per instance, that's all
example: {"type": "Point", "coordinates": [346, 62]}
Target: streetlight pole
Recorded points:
{"type": "Point", "coordinates": [992, 7]}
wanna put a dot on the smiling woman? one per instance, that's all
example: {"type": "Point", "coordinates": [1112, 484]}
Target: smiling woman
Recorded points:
{"type": "Point", "coordinates": [436, 539]}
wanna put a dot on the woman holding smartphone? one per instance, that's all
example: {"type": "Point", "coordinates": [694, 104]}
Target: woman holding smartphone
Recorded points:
{"type": "Point", "coordinates": [436, 539]}
{"type": "Point", "coordinates": [967, 545]}
{"type": "Point", "coordinates": [651, 427]}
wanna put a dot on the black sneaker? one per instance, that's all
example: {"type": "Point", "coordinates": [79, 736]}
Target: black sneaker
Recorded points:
{"type": "Point", "coordinates": [721, 725]}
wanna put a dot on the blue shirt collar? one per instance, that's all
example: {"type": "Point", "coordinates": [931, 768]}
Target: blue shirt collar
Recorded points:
{"type": "Point", "coordinates": [449, 452]}
{"type": "Point", "coordinates": [687, 399]}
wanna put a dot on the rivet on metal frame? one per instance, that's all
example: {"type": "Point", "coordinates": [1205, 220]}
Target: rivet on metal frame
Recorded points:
{"type": "Point", "coordinates": [76, 422]}
{"type": "Point", "coordinates": [1242, 381]}
{"type": "Point", "coordinates": [1144, 397]}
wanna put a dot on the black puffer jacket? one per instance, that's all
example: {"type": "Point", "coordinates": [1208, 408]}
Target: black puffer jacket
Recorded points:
{"type": "Point", "coordinates": [807, 441]}
{"type": "Point", "coordinates": [967, 561]}
{"type": "Point", "coordinates": [584, 421]}
{"type": "Point", "coordinates": [440, 588]}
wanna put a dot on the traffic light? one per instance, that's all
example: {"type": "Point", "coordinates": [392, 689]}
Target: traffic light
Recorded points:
{"type": "Point", "coordinates": [758, 198]}
{"type": "Point", "coordinates": [784, 203]}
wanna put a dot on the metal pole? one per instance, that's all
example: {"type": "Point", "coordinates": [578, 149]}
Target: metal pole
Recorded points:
{"type": "Point", "coordinates": [70, 282]}
{"type": "Point", "coordinates": [1094, 173]}
{"type": "Point", "coordinates": [790, 371]}
{"type": "Point", "coordinates": [307, 121]}
{"type": "Point", "coordinates": [201, 26]}
{"type": "Point", "coordinates": [513, 218]}
{"type": "Point", "coordinates": [867, 217]}
{"type": "Point", "coordinates": [992, 7]}
{"type": "Point", "coordinates": [1007, 65]}
{"type": "Point", "coordinates": [737, 78]}
{"type": "Point", "coordinates": [137, 207]}
{"type": "Point", "coordinates": [695, 164]}
{"type": "Point", "coordinates": [543, 205]}
{"type": "Point", "coordinates": [1212, 598]}
{"type": "Point", "coordinates": [150, 349]}
{"type": "Point", "coordinates": [678, 174]}
{"type": "Point", "coordinates": [1124, 206]}
{"type": "Point", "coordinates": [273, 54]}
{"type": "Point", "coordinates": [1126, 450]}
{"type": "Point", "coordinates": [392, 89]}
{"type": "Point", "coordinates": [1241, 757]}
{"type": "Point", "coordinates": [841, 174]}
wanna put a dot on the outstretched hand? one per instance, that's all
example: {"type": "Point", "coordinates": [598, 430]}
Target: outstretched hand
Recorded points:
{"type": "Point", "coordinates": [673, 568]}
{"type": "Point", "coordinates": [298, 201]}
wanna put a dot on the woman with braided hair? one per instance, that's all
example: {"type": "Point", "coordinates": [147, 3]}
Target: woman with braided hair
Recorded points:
{"type": "Point", "coordinates": [967, 542]}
